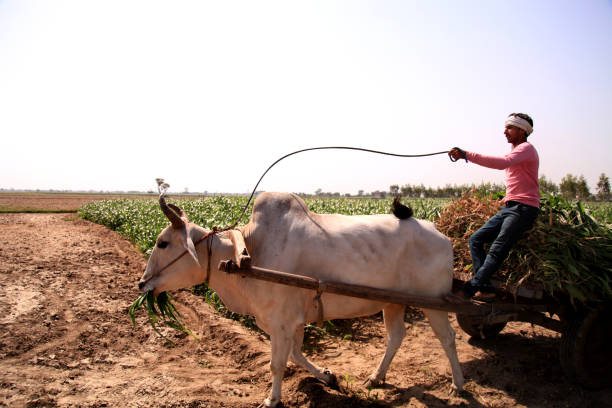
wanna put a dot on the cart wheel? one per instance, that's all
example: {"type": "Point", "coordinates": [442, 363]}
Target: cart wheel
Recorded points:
{"type": "Point", "coordinates": [474, 326]}
{"type": "Point", "coordinates": [585, 353]}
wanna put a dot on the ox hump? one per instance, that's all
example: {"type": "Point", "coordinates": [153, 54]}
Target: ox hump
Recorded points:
{"type": "Point", "coordinates": [277, 204]}
{"type": "Point", "coordinates": [401, 211]}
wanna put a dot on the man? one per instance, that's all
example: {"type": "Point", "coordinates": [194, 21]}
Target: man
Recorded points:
{"type": "Point", "coordinates": [521, 207]}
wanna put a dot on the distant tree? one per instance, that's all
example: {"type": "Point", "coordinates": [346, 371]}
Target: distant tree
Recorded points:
{"type": "Point", "coordinates": [547, 186]}
{"type": "Point", "coordinates": [406, 190]}
{"type": "Point", "coordinates": [419, 191]}
{"type": "Point", "coordinates": [162, 186]}
{"type": "Point", "coordinates": [569, 186]}
{"type": "Point", "coordinates": [318, 191]}
{"type": "Point", "coordinates": [448, 191]}
{"type": "Point", "coordinates": [582, 188]}
{"type": "Point", "coordinates": [360, 193]}
{"type": "Point", "coordinates": [379, 194]}
{"type": "Point", "coordinates": [394, 189]}
{"type": "Point", "coordinates": [603, 187]}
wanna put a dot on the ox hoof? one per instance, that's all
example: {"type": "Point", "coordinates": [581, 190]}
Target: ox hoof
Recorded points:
{"type": "Point", "coordinates": [372, 382]}
{"type": "Point", "coordinates": [454, 390]}
{"type": "Point", "coordinates": [270, 403]}
{"type": "Point", "coordinates": [332, 380]}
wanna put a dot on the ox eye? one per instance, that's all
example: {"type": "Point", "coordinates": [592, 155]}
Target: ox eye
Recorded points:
{"type": "Point", "coordinates": [162, 244]}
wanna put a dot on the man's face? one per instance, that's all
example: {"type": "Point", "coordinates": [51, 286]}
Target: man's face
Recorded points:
{"type": "Point", "coordinates": [515, 135]}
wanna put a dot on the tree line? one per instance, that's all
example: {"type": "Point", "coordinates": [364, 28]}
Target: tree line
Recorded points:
{"type": "Point", "coordinates": [571, 187]}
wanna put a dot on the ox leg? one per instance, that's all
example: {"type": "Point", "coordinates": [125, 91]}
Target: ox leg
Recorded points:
{"type": "Point", "coordinates": [445, 333]}
{"type": "Point", "coordinates": [298, 358]}
{"type": "Point", "coordinates": [396, 330]}
{"type": "Point", "coordinates": [281, 346]}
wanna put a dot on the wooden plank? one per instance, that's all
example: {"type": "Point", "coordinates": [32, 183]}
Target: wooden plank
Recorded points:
{"type": "Point", "coordinates": [376, 294]}
{"type": "Point", "coordinates": [522, 291]}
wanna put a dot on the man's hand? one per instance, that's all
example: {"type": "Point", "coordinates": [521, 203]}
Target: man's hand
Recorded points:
{"type": "Point", "coordinates": [456, 153]}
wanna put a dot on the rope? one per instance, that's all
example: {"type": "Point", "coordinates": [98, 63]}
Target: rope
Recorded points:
{"type": "Point", "coordinates": [323, 148]}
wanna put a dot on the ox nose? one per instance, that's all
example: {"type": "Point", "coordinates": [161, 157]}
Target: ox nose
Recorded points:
{"type": "Point", "coordinates": [141, 285]}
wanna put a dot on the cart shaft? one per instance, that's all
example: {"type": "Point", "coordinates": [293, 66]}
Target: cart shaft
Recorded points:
{"type": "Point", "coordinates": [375, 294]}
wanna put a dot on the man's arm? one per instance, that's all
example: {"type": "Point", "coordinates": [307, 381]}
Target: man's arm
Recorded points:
{"type": "Point", "coordinates": [520, 154]}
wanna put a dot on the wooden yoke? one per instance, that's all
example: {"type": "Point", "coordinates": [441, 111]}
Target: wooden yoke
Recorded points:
{"type": "Point", "coordinates": [241, 254]}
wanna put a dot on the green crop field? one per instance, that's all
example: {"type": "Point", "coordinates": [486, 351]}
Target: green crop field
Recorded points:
{"type": "Point", "coordinates": [601, 211]}
{"type": "Point", "coordinates": [142, 220]}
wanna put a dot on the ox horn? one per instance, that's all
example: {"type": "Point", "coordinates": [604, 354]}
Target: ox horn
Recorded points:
{"type": "Point", "coordinates": [175, 219]}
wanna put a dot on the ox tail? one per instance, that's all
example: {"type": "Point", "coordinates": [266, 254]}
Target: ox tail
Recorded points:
{"type": "Point", "coordinates": [400, 210]}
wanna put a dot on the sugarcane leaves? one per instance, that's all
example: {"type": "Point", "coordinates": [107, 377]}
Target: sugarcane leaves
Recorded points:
{"type": "Point", "coordinates": [137, 305]}
{"type": "Point", "coordinates": [588, 222]}
{"type": "Point", "coordinates": [566, 251]}
{"type": "Point", "coordinates": [577, 251]}
{"type": "Point", "coordinates": [159, 310]}
{"type": "Point", "coordinates": [575, 293]}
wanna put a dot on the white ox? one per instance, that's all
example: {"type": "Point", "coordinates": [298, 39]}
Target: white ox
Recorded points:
{"type": "Point", "coordinates": [380, 251]}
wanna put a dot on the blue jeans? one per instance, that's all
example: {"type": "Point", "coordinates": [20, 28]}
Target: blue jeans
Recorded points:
{"type": "Point", "coordinates": [502, 231]}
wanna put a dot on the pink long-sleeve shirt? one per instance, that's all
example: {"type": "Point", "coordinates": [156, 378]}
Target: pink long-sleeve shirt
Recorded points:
{"type": "Point", "coordinates": [521, 166]}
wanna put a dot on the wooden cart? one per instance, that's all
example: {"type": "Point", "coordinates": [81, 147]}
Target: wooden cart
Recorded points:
{"type": "Point", "coordinates": [585, 350]}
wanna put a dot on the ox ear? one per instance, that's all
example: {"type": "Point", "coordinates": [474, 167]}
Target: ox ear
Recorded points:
{"type": "Point", "coordinates": [179, 211]}
{"type": "Point", "coordinates": [190, 247]}
{"type": "Point", "coordinates": [179, 220]}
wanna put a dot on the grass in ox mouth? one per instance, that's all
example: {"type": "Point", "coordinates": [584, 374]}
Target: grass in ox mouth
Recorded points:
{"type": "Point", "coordinates": [164, 313]}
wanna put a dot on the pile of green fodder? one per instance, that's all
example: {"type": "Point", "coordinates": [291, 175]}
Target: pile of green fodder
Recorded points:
{"type": "Point", "coordinates": [565, 251]}
{"type": "Point", "coordinates": [159, 310]}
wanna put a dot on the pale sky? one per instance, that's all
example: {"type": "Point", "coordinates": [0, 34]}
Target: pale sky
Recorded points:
{"type": "Point", "coordinates": [109, 95]}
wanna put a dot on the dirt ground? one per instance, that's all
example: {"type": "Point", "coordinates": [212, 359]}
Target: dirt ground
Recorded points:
{"type": "Point", "coordinates": [66, 341]}
{"type": "Point", "coordinates": [54, 202]}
